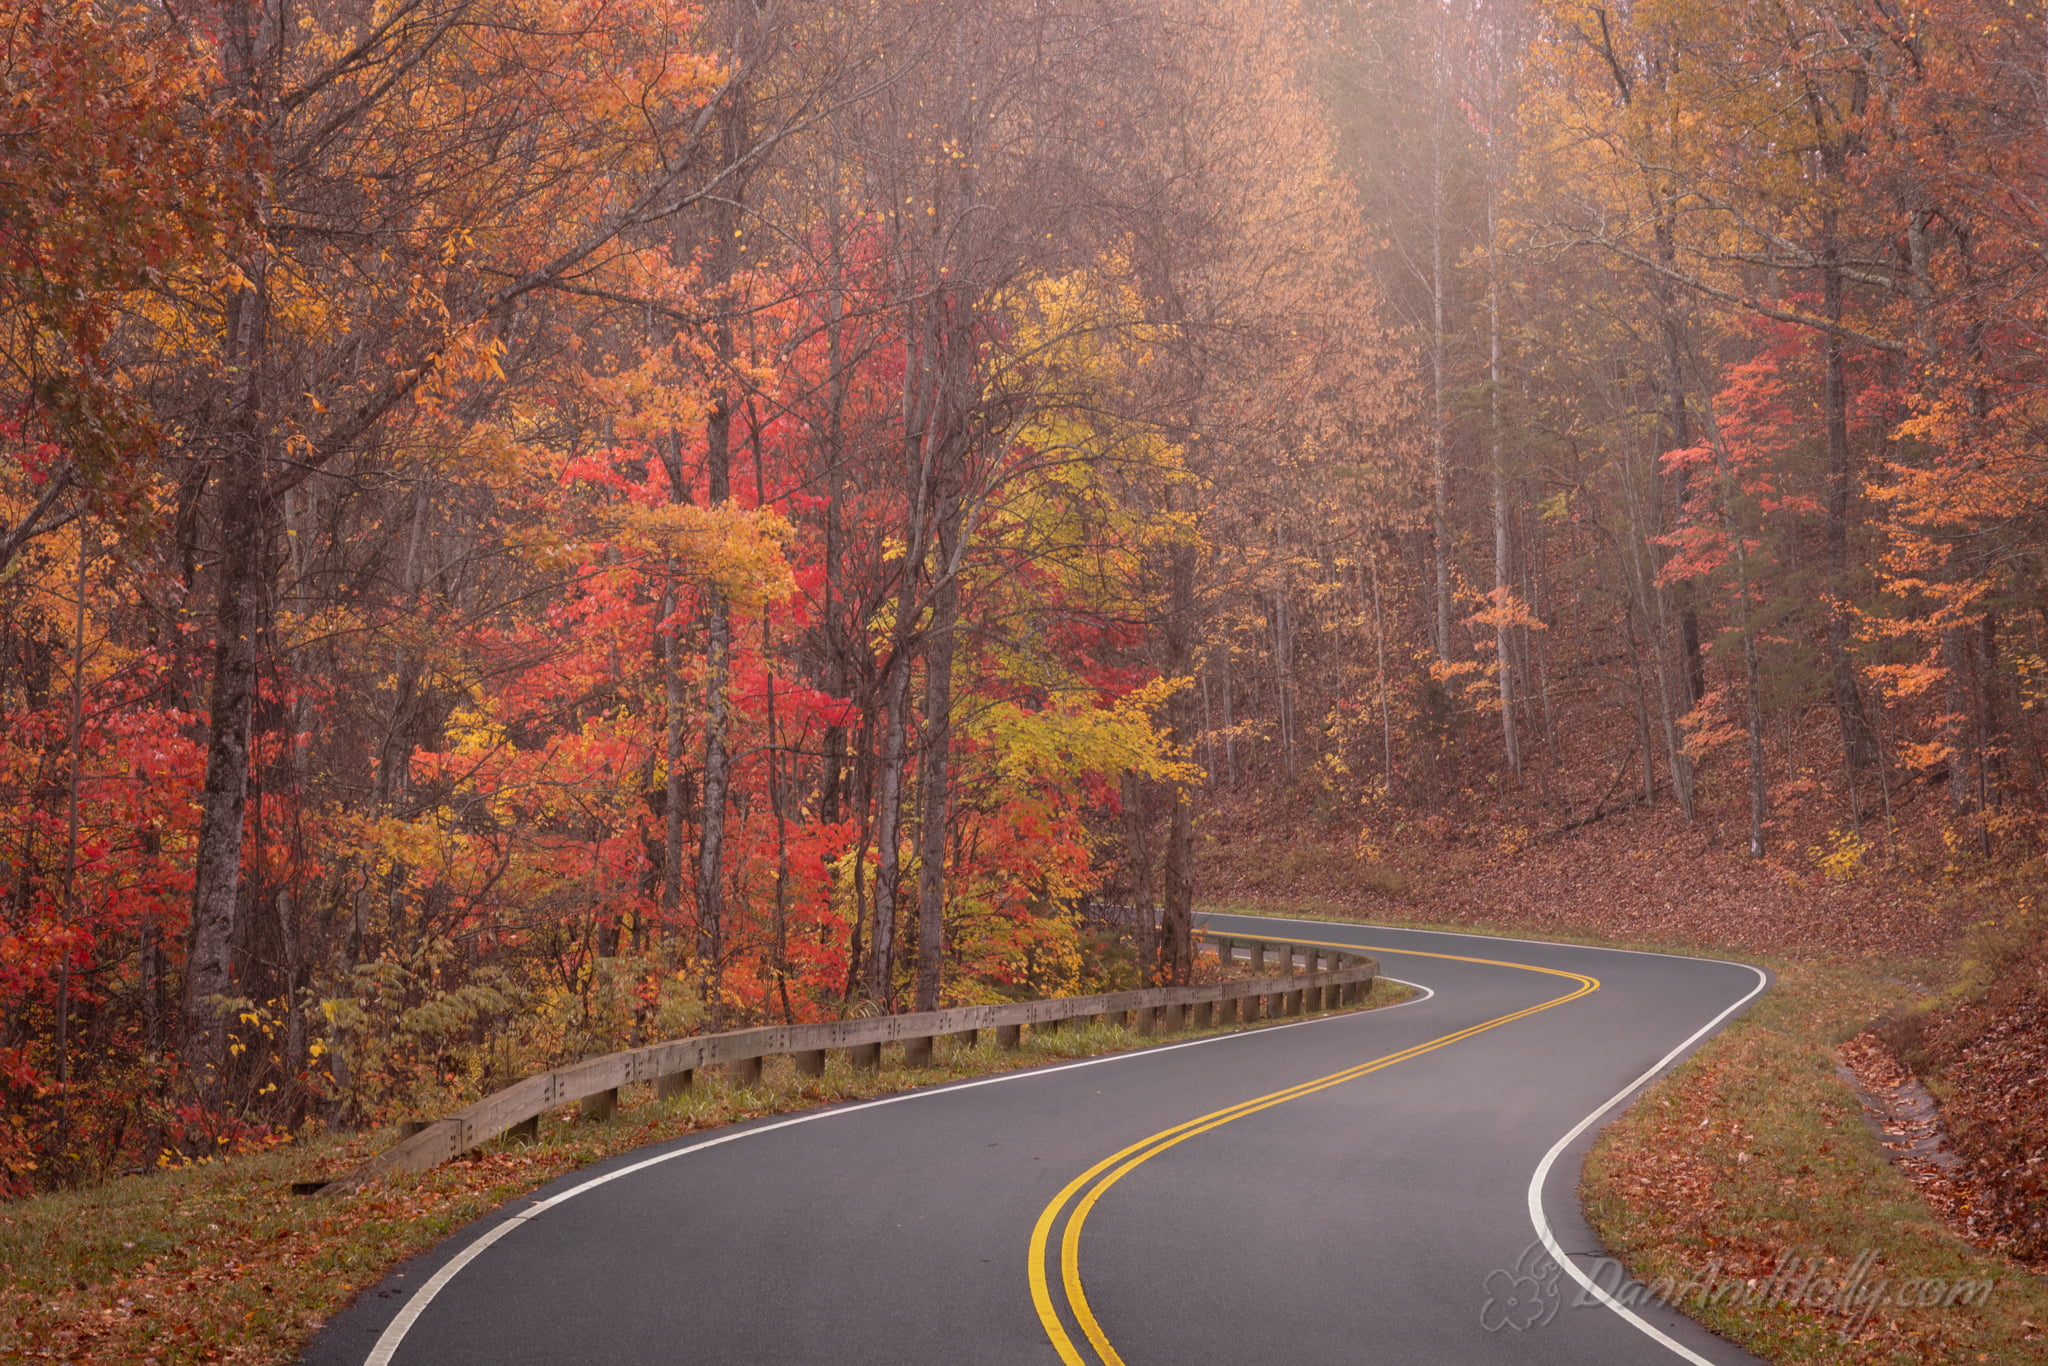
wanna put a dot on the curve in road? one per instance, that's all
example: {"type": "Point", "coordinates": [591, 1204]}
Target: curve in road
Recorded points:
{"type": "Point", "coordinates": [1366, 1187]}
{"type": "Point", "coordinates": [1104, 1174]}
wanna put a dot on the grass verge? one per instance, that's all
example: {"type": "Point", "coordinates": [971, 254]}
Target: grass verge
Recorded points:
{"type": "Point", "coordinates": [1749, 1182]}
{"type": "Point", "coordinates": [220, 1263]}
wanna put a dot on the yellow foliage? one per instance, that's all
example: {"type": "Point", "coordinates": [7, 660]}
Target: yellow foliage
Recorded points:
{"type": "Point", "coordinates": [741, 553]}
{"type": "Point", "coordinates": [1840, 856]}
{"type": "Point", "coordinates": [1070, 737]}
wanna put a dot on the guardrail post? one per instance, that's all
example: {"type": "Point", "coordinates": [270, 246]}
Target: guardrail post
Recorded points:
{"type": "Point", "coordinates": [1281, 993]}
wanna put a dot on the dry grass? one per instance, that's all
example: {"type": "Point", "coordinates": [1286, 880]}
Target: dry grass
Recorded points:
{"type": "Point", "coordinates": [1754, 1151]}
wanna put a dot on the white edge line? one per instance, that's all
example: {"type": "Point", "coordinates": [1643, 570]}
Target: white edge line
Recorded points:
{"type": "Point", "coordinates": [1542, 1174]}
{"type": "Point", "coordinates": [387, 1344]}
{"type": "Point", "coordinates": [1427, 992]}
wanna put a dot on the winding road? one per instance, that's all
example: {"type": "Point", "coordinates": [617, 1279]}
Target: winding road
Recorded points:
{"type": "Point", "coordinates": [1389, 1186]}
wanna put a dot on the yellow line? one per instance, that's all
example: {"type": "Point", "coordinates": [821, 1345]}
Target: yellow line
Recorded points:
{"type": "Point", "coordinates": [1125, 1159]}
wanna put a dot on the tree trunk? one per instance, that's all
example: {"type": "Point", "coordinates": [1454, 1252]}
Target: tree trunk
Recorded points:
{"type": "Point", "coordinates": [934, 772]}
{"type": "Point", "coordinates": [1753, 711]}
{"type": "Point", "coordinates": [674, 792]}
{"type": "Point", "coordinates": [217, 876]}
{"type": "Point", "coordinates": [1229, 725]}
{"type": "Point", "coordinates": [717, 759]}
{"type": "Point", "coordinates": [238, 621]}
{"type": "Point", "coordinates": [1503, 566]}
{"type": "Point", "coordinates": [1958, 707]}
{"type": "Point", "coordinates": [1138, 859]}
{"type": "Point", "coordinates": [1858, 745]}
{"type": "Point", "coordinates": [1379, 644]}
{"type": "Point", "coordinates": [1177, 914]}
{"type": "Point", "coordinates": [889, 816]}
{"type": "Point", "coordinates": [1678, 431]}
{"type": "Point", "coordinates": [1643, 741]}
{"type": "Point", "coordinates": [1283, 679]}
{"type": "Point", "coordinates": [1439, 456]}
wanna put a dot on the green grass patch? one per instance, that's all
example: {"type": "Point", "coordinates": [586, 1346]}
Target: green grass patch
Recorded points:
{"type": "Point", "coordinates": [219, 1262]}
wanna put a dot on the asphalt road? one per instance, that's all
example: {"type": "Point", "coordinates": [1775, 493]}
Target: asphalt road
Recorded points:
{"type": "Point", "coordinates": [1392, 1186]}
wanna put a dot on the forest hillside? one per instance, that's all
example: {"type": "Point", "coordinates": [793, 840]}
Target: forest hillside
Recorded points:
{"type": "Point", "coordinates": [530, 526]}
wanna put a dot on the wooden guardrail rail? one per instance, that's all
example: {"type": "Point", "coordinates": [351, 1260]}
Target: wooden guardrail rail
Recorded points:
{"type": "Point", "coordinates": [1331, 979]}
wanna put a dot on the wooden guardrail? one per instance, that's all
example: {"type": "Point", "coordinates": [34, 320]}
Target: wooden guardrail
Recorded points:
{"type": "Point", "coordinates": [1331, 979]}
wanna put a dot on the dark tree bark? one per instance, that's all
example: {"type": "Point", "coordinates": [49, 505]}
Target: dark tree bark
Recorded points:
{"type": "Point", "coordinates": [717, 758]}
{"type": "Point", "coordinates": [1177, 909]}
{"type": "Point", "coordinates": [217, 877]}
{"type": "Point", "coordinates": [1138, 859]}
{"type": "Point", "coordinates": [1859, 745]}
{"type": "Point", "coordinates": [238, 622]}
{"type": "Point", "coordinates": [934, 775]}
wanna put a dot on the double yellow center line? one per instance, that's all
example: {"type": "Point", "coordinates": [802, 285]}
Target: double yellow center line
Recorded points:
{"type": "Point", "coordinates": [1091, 1185]}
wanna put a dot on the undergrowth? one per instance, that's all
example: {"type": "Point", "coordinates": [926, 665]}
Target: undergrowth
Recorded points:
{"type": "Point", "coordinates": [220, 1262]}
